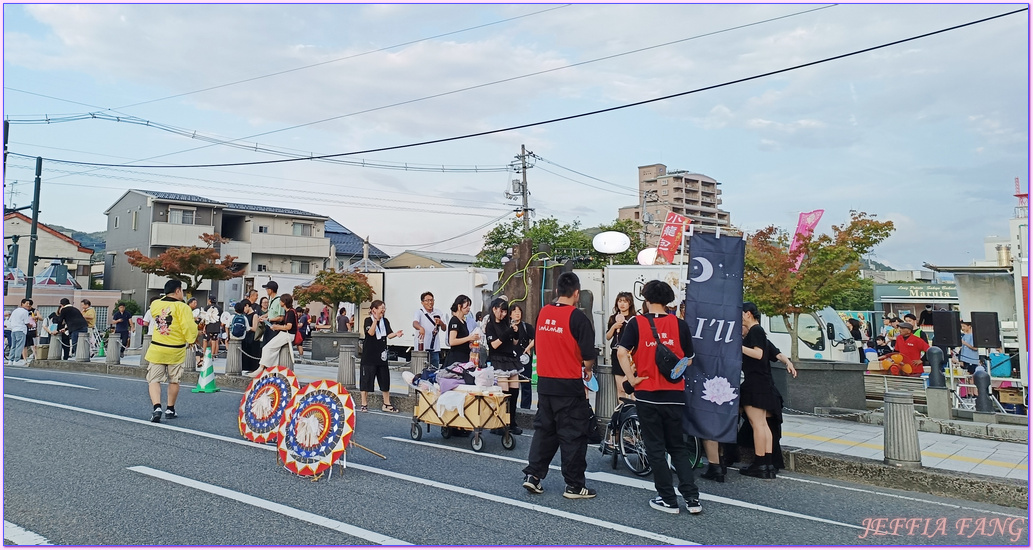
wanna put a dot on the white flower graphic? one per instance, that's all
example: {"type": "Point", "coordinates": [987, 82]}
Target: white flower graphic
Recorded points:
{"type": "Point", "coordinates": [718, 390]}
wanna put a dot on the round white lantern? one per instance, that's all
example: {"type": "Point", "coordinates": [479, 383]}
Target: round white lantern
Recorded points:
{"type": "Point", "coordinates": [611, 242]}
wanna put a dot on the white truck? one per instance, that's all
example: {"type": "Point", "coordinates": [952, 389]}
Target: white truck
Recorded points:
{"type": "Point", "coordinates": [822, 334]}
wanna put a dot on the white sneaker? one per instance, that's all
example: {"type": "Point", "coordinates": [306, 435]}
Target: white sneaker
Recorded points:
{"type": "Point", "coordinates": [657, 503]}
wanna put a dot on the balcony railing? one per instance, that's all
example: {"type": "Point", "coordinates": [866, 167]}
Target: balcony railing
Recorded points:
{"type": "Point", "coordinates": [178, 234]}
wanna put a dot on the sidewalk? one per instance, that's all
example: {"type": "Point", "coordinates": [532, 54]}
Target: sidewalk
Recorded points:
{"type": "Point", "coordinates": [835, 443]}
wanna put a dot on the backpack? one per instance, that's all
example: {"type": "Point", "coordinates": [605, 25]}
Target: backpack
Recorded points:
{"type": "Point", "coordinates": [238, 326]}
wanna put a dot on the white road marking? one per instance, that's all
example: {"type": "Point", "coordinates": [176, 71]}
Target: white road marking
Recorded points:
{"type": "Point", "coordinates": [48, 382]}
{"type": "Point", "coordinates": [528, 506]}
{"type": "Point", "coordinates": [493, 498]}
{"type": "Point", "coordinates": [23, 537]}
{"type": "Point", "coordinates": [108, 376]}
{"type": "Point", "coordinates": [641, 484]}
{"type": "Point", "coordinates": [295, 513]}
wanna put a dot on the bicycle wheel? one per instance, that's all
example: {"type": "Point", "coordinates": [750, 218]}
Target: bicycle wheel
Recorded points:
{"type": "Point", "coordinates": [632, 449]}
{"type": "Point", "coordinates": [695, 450]}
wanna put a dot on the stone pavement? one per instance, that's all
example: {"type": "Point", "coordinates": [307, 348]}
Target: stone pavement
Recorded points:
{"type": "Point", "coordinates": [956, 465]}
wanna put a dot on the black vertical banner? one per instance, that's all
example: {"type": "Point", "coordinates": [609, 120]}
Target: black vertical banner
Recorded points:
{"type": "Point", "coordinates": [713, 310]}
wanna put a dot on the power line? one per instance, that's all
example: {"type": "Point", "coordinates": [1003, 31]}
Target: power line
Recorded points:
{"type": "Point", "coordinates": [442, 94]}
{"type": "Point", "coordinates": [461, 235]}
{"type": "Point", "coordinates": [587, 184]}
{"type": "Point", "coordinates": [618, 186]}
{"type": "Point", "coordinates": [585, 114]}
{"type": "Point", "coordinates": [386, 48]}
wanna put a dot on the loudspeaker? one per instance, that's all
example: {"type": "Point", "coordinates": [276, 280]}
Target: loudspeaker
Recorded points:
{"type": "Point", "coordinates": [946, 329]}
{"type": "Point", "coordinates": [986, 331]}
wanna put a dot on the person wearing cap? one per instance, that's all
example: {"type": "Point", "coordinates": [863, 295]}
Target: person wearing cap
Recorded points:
{"type": "Point", "coordinates": [916, 328]}
{"type": "Point", "coordinates": [911, 348]}
{"type": "Point", "coordinates": [174, 328]}
{"type": "Point", "coordinates": [275, 313]}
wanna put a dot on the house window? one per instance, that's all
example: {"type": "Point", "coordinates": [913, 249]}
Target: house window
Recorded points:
{"type": "Point", "coordinates": [185, 217]}
{"type": "Point", "coordinates": [663, 182]}
{"type": "Point", "coordinates": [302, 230]}
{"type": "Point", "coordinates": [263, 229]}
{"type": "Point", "coordinates": [663, 192]}
{"type": "Point", "coordinates": [261, 267]}
{"type": "Point", "coordinates": [116, 222]}
{"type": "Point", "coordinates": [636, 215]}
{"type": "Point", "coordinates": [299, 267]}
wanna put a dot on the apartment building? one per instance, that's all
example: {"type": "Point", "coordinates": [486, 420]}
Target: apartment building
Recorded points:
{"type": "Point", "coordinates": [693, 195]}
{"type": "Point", "coordinates": [282, 244]}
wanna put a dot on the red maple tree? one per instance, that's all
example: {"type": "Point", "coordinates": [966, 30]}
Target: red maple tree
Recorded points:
{"type": "Point", "coordinates": [191, 264]}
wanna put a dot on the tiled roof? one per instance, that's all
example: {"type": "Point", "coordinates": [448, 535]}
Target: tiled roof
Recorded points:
{"type": "Point", "coordinates": [271, 210]}
{"type": "Point", "coordinates": [176, 197]}
{"type": "Point", "coordinates": [347, 243]}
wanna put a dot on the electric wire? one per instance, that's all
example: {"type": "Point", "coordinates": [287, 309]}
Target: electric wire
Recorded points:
{"type": "Point", "coordinates": [587, 113]}
{"type": "Point", "coordinates": [459, 236]}
{"type": "Point", "coordinates": [625, 193]}
{"type": "Point", "coordinates": [510, 79]}
{"type": "Point", "coordinates": [622, 187]}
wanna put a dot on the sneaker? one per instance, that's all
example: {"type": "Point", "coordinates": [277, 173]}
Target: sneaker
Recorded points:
{"type": "Point", "coordinates": [658, 503]}
{"type": "Point", "coordinates": [584, 492]}
{"type": "Point", "coordinates": [533, 485]}
{"type": "Point", "coordinates": [693, 506]}
{"type": "Point", "coordinates": [156, 415]}
{"type": "Point", "coordinates": [516, 430]}
{"type": "Point", "coordinates": [169, 413]}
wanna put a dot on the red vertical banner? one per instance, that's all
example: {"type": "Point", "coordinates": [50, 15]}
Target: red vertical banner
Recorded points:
{"type": "Point", "coordinates": [804, 228]}
{"type": "Point", "coordinates": [670, 238]}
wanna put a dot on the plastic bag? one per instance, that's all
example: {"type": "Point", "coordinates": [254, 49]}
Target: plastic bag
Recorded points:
{"type": "Point", "coordinates": [484, 377]}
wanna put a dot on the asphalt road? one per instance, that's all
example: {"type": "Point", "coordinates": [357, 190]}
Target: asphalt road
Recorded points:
{"type": "Point", "coordinates": [84, 466]}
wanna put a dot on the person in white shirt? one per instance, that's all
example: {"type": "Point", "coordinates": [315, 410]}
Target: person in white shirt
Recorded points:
{"type": "Point", "coordinates": [225, 319]}
{"type": "Point", "coordinates": [212, 327]}
{"type": "Point", "coordinates": [428, 322]}
{"type": "Point", "coordinates": [19, 326]}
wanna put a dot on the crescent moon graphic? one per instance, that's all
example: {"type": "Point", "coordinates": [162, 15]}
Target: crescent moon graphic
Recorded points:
{"type": "Point", "coordinates": [708, 270]}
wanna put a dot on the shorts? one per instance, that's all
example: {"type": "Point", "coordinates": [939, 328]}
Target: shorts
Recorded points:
{"type": "Point", "coordinates": [212, 331]}
{"type": "Point", "coordinates": [158, 373]}
{"type": "Point", "coordinates": [369, 373]}
{"type": "Point", "coordinates": [970, 367]}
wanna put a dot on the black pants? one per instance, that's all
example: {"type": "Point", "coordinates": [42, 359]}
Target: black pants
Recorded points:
{"type": "Point", "coordinates": [561, 423]}
{"type": "Point", "coordinates": [525, 387]}
{"type": "Point", "coordinates": [124, 338]}
{"type": "Point", "coordinates": [662, 434]}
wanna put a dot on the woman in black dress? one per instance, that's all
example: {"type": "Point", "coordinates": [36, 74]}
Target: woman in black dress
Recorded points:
{"type": "Point", "coordinates": [623, 311]}
{"type": "Point", "coordinates": [855, 333]}
{"type": "Point", "coordinates": [252, 345]}
{"type": "Point", "coordinates": [376, 329]}
{"type": "Point", "coordinates": [525, 342]}
{"type": "Point", "coordinates": [459, 336]}
{"type": "Point", "coordinates": [757, 394]}
{"type": "Point", "coordinates": [504, 355]}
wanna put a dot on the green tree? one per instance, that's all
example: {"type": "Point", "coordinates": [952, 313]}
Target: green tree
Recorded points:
{"type": "Point", "coordinates": [132, 307]}
{"type": "Point", "coordinates": [190, 264]}
{"type": "Point", "coordinates": [332, 288]}
{"type": "Point", "coordinates": [566, 240]}
{"type": "Point", "coordinates": [859, 298]}
{"type": "Point", "coordinates": [829, 268]}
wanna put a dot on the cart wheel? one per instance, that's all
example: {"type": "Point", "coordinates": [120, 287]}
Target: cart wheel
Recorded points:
{"type": "Point", "coordinates": [416, 432]}
{"type": "Point", "coordinates": [508, 441]}
{"type": "Point", "coordinates": [477, 444]}
{"type": "Point", "coordinates": [446, 432]}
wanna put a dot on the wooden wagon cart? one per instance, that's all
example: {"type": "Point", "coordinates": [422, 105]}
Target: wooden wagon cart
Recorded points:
{"type": "Point", "coordinates": [478, 412]}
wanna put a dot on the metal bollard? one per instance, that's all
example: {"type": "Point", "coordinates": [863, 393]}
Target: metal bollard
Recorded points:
{"type": "Point", "coordinates": [82, 349]}
{"type": "Point", "coordinates": [190, 360]}
{"type": "Point", "coordinates": [286, 357]}
{"type": "Point", "coordinates": [900, 433]}
{"type": "Point", "coordinates": [982, 381]}
{"type": "Point", "coordinates": [234, 361]}
{"type": "Point", "coordinates": [146, 345]}
{"type": "Point", "coordinates": [346, 366]}
{"type": "Point", "coordinates": [418, 362]}
{"type": "Point", "coordinates": [54, 353]}
{"type": "Point", "coordinates": [935, 357]}
{"type": "Point", "coordinates": [606, 397]}
{"type": "Point", "coordinates": [114, 349]}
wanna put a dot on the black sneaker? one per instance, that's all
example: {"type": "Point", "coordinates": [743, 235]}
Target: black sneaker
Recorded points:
{"type": "Point", "coordinates": [169, 413]}
{"type": "Point", "coordinates": [693, 506]}
{"type": "Point", "coordinates": [156, 415]}
{"type": "Point", "coordinates": [515, 430]}
{"type": "Point", "coordinates": [658, 503]}
{"type": "Point", "coordinates": [533, 485]}
{"type": "Point", "coordinates": [583, 492]}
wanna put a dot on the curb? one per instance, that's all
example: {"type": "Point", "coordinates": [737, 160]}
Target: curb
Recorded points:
{"type": "Point", "coordinates": [945, 483]}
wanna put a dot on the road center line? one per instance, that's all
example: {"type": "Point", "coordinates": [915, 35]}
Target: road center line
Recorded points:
{"type": "Point", "coordinates": [642, 484]}
{"type": "Point", "coordinates": [493, 498]}
{"type": "Point", "coordinates": [528, 506]}
{"type": "Point", "coordinates": [23, 537]}
{"type": "Point", "coordinates": [48, 382]}
{"type": "Point", "coordinates": [320, 521]}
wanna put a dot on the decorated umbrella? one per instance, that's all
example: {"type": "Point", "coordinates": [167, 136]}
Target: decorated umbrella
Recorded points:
{"type": "Point", "coordinates": [316, 429]}
{"type": "Point", "coordinates": [265, 404]}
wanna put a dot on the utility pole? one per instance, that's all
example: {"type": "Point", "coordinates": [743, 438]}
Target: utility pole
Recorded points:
{"type": "Point", "coordinates": [646, 196]}
{"type": "Point", "coordinates": [31, 268]}
{"type": "Point", "coordinates": [523, 187]}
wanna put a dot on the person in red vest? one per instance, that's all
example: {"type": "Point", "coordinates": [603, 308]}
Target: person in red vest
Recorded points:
{"type": "Point", "coordinates": [911, 347]}
{"type": "Point", "coordinates": [565, 341]}
{"type": "Point", "coordinates": [660, 402]}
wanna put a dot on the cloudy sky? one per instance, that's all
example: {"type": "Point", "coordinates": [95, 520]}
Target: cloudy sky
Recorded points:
{"type": "Point", "coordinates": [929, 133]}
